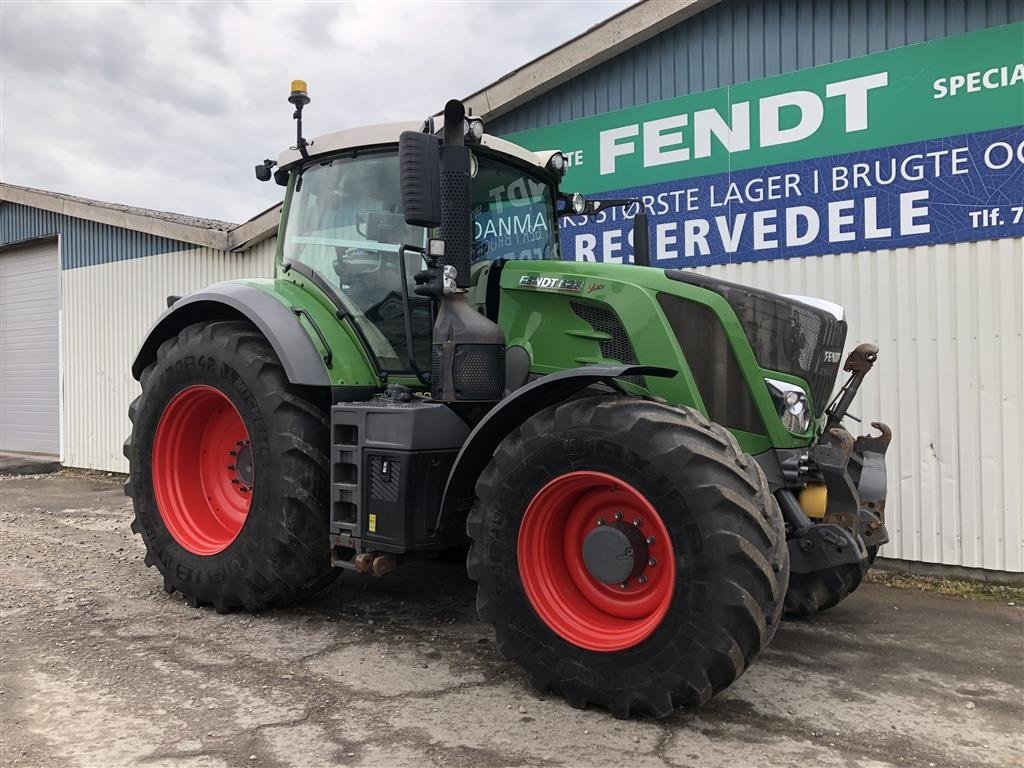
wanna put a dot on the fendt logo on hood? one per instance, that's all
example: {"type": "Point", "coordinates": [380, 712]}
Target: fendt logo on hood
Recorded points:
{"type": "Point", "coordinates": [557, 283]}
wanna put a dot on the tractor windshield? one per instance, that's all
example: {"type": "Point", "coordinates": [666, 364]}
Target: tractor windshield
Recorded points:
{"type": "Point", "coordinates": [345, 224]}
{"type": "Point", "coordinates": [513, 214]}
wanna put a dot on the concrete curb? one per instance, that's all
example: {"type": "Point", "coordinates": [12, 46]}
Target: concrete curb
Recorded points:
{"type": "Point", "coordinates": [941, 571]}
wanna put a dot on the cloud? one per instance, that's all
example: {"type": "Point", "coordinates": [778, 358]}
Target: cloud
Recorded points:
{"type": "Point", "coordinates": [169, 105]}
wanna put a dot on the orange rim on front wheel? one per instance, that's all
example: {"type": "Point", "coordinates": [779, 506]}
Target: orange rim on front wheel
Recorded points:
{"type": "Point", "coordinates": [203, 470]}
{"type": "Point", "coordinates": [596, 561]}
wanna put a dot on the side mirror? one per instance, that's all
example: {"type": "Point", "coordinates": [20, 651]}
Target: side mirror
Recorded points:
{"type": "Point", "coordinates": [419, 167]}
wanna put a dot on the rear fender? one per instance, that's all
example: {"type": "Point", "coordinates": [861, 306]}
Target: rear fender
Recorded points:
{"type": "Point", "coordinates": [516, 408]}
{"type": "Point", "coordinates": [303, 362]}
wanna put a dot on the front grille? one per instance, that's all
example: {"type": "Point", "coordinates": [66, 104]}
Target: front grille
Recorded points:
{"type": "Point", "coordinates": [618, 347]}
{"type": "Point", "coordinates": [792, 337]}
{"type": "Point", "coordinates": [786, 335]}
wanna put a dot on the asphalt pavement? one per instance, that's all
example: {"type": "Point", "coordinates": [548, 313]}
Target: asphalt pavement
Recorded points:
{"type": "Point", "coordinates": [99, 667]}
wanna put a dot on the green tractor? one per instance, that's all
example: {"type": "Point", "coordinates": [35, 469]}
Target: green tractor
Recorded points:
{"type": "Point", "coordinates": [644, 463]}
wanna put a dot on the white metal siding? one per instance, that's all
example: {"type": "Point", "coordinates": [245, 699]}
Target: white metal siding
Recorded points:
{"type": "Point", "coordinates": [950, 378]}
{"type": "Point", "coordinates": [30, 349]}
{"type": "Point", "coordinates": [108, 309]}
{"type": "Point", "coordinates": [949, 381]}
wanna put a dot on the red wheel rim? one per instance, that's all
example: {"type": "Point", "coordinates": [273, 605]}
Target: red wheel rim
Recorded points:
{"type": "Point", "coordinates": [202, 470]}
{"type": "Point", "coordinates": [580, 608]}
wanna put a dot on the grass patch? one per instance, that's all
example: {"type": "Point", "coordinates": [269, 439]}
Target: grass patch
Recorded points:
{"type": "Point", "coordinates": [974, 590]}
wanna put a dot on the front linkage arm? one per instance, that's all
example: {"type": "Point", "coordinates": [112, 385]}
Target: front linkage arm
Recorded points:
{"type": "Point", "coordinates": [858, 363]}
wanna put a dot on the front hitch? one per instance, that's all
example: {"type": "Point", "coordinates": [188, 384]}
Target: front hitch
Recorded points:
{"type": "Point", "coordinates": [821, 548]}
{"type": "Point", "coordinates": [854, 470]}
{"type": "Point", "coordinates": [867, 467]}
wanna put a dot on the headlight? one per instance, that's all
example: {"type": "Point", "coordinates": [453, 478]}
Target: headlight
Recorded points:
{"type": "Point", "coordinates": [791, 403]}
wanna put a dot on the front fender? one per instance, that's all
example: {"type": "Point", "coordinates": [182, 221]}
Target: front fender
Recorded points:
{"type": "Point", "coordinates": [303, 362]}
{"type": "Point", "coordinates": [516, 408]}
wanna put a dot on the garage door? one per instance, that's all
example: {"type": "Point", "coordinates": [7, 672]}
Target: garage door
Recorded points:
{"type": "Point", "coordinates": [29, 351]}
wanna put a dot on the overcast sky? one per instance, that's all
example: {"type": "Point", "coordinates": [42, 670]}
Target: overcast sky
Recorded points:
{"type": "Point", "coordinates": [169, 105]}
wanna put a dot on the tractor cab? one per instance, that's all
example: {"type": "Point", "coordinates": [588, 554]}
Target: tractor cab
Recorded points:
{"type": "Point", "coordinates": [344, 227]}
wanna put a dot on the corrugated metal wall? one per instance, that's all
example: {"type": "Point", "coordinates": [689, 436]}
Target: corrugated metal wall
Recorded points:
{"type": "Point", "coordinates": [950, 382]}
{"type": "Point", "coordinates": [737, 41]}
{"type": "Point", "coordinates": [82, 242]}
{"type": "Point", "coordinates": [108, 309]}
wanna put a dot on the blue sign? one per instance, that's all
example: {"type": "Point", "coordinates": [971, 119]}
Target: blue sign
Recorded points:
{"type": "Point", "coordinates": [946, 190]}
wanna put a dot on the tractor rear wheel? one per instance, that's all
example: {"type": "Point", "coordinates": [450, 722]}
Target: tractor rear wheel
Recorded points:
{"type": "Point", "coordinates": [628, 554]}
{"type": "Point", "coordinates": [228, 471]}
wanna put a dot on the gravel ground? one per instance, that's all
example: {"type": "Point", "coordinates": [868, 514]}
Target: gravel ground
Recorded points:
{"type": "Point", "coordinates": [99, 667]}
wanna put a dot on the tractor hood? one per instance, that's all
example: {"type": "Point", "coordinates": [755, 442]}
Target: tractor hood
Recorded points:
{"type": "Point", "coordinates": [798, 335]}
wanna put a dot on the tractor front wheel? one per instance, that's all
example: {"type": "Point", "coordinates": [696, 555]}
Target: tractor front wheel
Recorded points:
{"type": "Point", "coordinates": [228, 471]}
{"type": "Point", "coordinates": [628, 554]}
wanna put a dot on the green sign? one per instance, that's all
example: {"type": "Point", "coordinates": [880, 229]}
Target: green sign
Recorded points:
{"type": "Point", "coordinates": [954, 86]}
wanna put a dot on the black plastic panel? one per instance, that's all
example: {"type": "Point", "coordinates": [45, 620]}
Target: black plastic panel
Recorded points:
{"type": "Point", "coordinates": [720, 381]}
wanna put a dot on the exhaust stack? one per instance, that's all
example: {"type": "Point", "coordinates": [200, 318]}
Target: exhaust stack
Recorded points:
{"type": "Point", "coordinates": [468, 350]}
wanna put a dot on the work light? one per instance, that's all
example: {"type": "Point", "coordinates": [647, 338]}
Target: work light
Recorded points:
{"type": "Point", "coordinates": [556, 163]}
{"type": "Point", "coordinates": [473, 129]}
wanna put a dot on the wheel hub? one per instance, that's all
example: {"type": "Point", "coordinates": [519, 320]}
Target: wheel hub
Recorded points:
{"type": "Point", "coordinates": [615, 553]}
{"type": "Point", "coordinates": [242, 466]}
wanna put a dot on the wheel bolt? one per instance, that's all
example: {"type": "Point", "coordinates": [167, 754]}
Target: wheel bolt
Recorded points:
{"type": "Point", "coordinates": [231, 466]}
{"type": "Point", "coordinates": [624, 584]}
{"type": "Point", "coordinates": [618, 515]}
{"type": "Point", "coordinates": [600, 521]}
{"type": "Point", "coordinates": [234, 481]}
{"type": "Point", "coordinates": [652, 562]}
{"type": "Point", "coordinates": [641, 579]}
{"type": "Point", "coordinates": [650, 540]}
{"type": "Point", "coordinates": [637, 521]}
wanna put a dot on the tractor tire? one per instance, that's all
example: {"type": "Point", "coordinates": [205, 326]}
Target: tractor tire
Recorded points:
{"type": "Point", "coordinates": [712, 558]}
{"type": "Point", "coordinates": [811, 593]}
{"type": "Point", "coordinates": [229, 471]}
{"type": "Point", "coordinates": [872, 554]}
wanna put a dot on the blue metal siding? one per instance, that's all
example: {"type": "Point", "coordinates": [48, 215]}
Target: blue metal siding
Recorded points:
{"type": "Point", "coordinates": [735, 42]}
{"type": "Point", "coordinates": [83, 243]}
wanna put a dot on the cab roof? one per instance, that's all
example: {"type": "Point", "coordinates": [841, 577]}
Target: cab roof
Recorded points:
{"type": "Point", "coordinates": [388, 133]}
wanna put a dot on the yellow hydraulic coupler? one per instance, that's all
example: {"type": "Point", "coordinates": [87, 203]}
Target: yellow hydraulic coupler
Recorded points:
{"type": "Point", "coordinates": [814, 499]}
